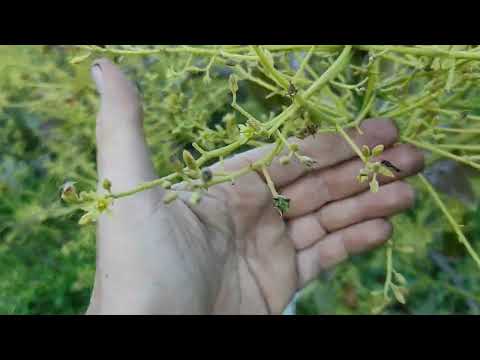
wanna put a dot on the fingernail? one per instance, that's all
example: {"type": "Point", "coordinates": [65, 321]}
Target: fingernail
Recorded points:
{"type": "Point", "coordinates": [97, 76]}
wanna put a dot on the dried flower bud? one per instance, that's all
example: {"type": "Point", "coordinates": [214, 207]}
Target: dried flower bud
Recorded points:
{"type": "Point", "coordinates": [69, 192]}
{"type": "Point", "coordinates": [307, 161]}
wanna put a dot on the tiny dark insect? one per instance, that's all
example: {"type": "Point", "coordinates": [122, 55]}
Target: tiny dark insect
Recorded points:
{"type": "Point", "coordinates": [390, 165]}
{"type": "Point", "coordinates": [310, 129]}
{"type": "Point", "coordinates": [292, 90]}
{"type": "Point", "coordinates": [206, 175]}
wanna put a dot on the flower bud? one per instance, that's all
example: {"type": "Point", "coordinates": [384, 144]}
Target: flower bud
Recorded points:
{"type": "Point", "coordinates": [294, 147]}
{"type": "Point", "coordinates": [308, 162]}
{"type": "Point", "coordinates": [398, 294]}
{"type": "Point", "coordinates": [230, 125]}
{"type": "Point", "coordinates": [374, 185]}
{"type": "Point", "coordinates": [107, 185]}
{"type": "Point", "coordinates": [170, 197]}
{"type": "Point", "coordinates": [362, 178]}
{"type": "Point", "coordinates": [103, 204]}
{"type": "Point", "coordinates": [255, 124]}
{"type": "Point", "coordinates": [166, 184]}
{"type": "Point", "coordinates": [86, 219]}
{"type": "Point", "coordinates": [233, 84]}
{"type": "Point", "coordinates": [284, 160]}
{"type": "Point", "coordinates": [378, 150]}
{"type": "Point", "coordinates": [189, 160]}
{"type": "Point", "coordinates": [195, 198]}
{"type": "Point", "coordinates": [366, 151]}
{"type": "Point", "coordinates": [400, 278]}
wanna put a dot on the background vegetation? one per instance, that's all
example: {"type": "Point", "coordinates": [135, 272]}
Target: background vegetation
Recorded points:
{"type": "Point", "coordinates": [47, 137]}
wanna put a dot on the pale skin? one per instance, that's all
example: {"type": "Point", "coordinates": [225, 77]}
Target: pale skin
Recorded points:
{"type": "Point", "coordinates": [233, 253]}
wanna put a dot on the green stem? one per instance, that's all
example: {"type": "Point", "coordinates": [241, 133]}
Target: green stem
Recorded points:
{"type": "Point", "coordinates": [458, 131]}
{"type": "Point", "coordinates": [304, 63]}
{"type": "Point", "coordinates": [340, 63]}
{"type": "Point", "coordinates": [456, 228]}
{"type": "Point", "coordinates": [351, 143]}
{"type": "Point", "coordinates": [438, 151]}
{"type": "Point", "coordinates": [389, 269]}
{"type": "Point", "coordinates": [164, 49]}
{"type": "Point", "coordinates": [400, 110]}
{"type": "Point", "coordinates": [270, 183]}
{"type": "Point", "coordinates": [430, 51]}
{"type": "Point", "coordinates": [276, 75]}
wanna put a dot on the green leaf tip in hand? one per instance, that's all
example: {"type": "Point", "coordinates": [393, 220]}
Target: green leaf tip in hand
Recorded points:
{"type": "Point", "coordinates": [281, 203]}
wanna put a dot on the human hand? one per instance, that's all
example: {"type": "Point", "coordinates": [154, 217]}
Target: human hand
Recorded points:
{"type": "Point", "coordinates": [233, 253]}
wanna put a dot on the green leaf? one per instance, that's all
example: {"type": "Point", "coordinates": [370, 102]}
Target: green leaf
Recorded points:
{"type": "Point", "coordinates": [281, 203]}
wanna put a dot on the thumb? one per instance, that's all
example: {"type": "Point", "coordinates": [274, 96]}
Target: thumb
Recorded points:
{"type": "Point", "coordinates": [122, 153]}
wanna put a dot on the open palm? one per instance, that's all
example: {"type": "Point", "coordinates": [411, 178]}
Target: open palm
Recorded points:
{"type": "Point", "coordinates": [233, 252]}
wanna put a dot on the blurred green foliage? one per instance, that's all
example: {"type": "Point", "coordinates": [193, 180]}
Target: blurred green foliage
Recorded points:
{"type": "Point", "coordinates": [47, 137]}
